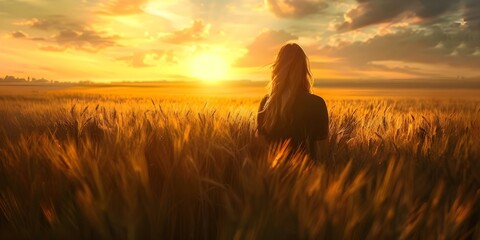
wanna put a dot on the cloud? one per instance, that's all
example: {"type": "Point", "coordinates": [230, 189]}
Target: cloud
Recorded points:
{"type": "Point", "coordinates": [472, 15]}
{"type": "Point", "coordinates": [123, 7]}
{"type": "Point", "coordinates": [295, 8]}
{"type": "Point", "coordinates": [56, 22]}
{"type": "Point", "coordinates": [69, 34]}
{"type": "Point", "coordinates": [411, 71]}
{"type": "Point", "coordinates": [51, 48]}
{"type": "Point", "coordinates": [198, 31]}
{"type": "Point", "coordinates": [19, 34]}
{"type": "Point", "coordinates": [345, 69]}
{"type": "Point", "coordinates": [212, 10]}
{"type": "Point", "coordinates": [371, 12]}
{"type": "Point", "coordinates": [84, 39]}
{"type": "Point", "coordinates": [148, 58]}
{"type": "Point", "coordinates": [410, 46]}
{"type": "Point", "coordinates": [264, 48]}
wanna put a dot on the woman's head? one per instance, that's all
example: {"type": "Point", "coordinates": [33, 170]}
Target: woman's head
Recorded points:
{"type": "Point", "coordinates": [291, 70]}
{"type": "Point", "coordinates": [291, 76]}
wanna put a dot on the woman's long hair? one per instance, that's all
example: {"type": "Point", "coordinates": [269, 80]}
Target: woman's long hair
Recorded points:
{"type": "Point", "coordinates": [290, 76]}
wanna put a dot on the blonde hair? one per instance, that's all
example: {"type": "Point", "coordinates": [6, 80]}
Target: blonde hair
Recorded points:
{"type": "Point", "coordinates": [290, 76]}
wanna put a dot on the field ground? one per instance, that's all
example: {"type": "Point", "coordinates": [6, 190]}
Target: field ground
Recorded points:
{"type": "Point", "coordinates": [143, 162]}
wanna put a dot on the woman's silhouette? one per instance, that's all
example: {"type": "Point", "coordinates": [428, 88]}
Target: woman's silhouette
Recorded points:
{"type": "Point", "coordinates": [290, 111]}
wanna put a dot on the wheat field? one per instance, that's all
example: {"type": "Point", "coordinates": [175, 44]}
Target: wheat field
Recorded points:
{"type": "Point", "coordinates": [100, 166]}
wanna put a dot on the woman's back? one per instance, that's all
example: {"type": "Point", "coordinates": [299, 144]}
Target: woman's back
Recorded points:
{"type": "Point", "coordinates": [309, 123]}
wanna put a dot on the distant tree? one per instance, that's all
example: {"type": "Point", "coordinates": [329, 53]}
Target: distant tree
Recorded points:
{"type": "Point", "coordinates": [9, 78]}
{"type": "Point", "coordinates": [41, 80]}
{"type": "Point", "coordinates": [86, 82]}
{"type": "Point", "coordinates": [13, 79]}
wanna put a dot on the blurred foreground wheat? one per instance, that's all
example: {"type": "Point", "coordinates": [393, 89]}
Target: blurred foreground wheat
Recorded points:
{"type": "Point", "coordinates": [100, 167]}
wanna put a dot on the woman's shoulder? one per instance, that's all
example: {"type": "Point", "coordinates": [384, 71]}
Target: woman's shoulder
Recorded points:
{"type": "Point", "coordinates": [316, 100]}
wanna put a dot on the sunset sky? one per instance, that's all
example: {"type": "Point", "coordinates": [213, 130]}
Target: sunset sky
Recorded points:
{"type": "Point", "coordinates": [116, 40]}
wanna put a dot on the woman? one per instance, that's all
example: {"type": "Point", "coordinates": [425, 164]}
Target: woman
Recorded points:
{"type": "Point", "coordinates": [290, 112]}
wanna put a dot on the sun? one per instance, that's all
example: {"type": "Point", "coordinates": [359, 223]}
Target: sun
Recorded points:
{"type": "Point", "coordinates": [209, 67]}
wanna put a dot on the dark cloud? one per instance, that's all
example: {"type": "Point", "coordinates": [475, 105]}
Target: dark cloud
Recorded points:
{"type": "Point", "coordinates": [370, 12]}
{"type": "Point", "coordinates": [148, 58]}
{"type": "Point", "coordinates": [263, 49]}
{"type": "Point", "coordinates": [56, 22]}
{"type": "Point", "coordinates": [87, 40]}
{"type": "Point", "coordinates": [472, 15]}
{"type": "Point", "coordinates": [198, 31]}
{"type": "Point", "coordinates": [69, 34]}
{"type": "Point", "coordinates": [295, 8]}
{"type": "Point", "coordinates": [124, 7]}
{"type": "Point", "coordinates": [428, 9]}
{"type": "Point", "coordinates": [410, 46]}
{"type": "Point", "coordinates": [19, 34]}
